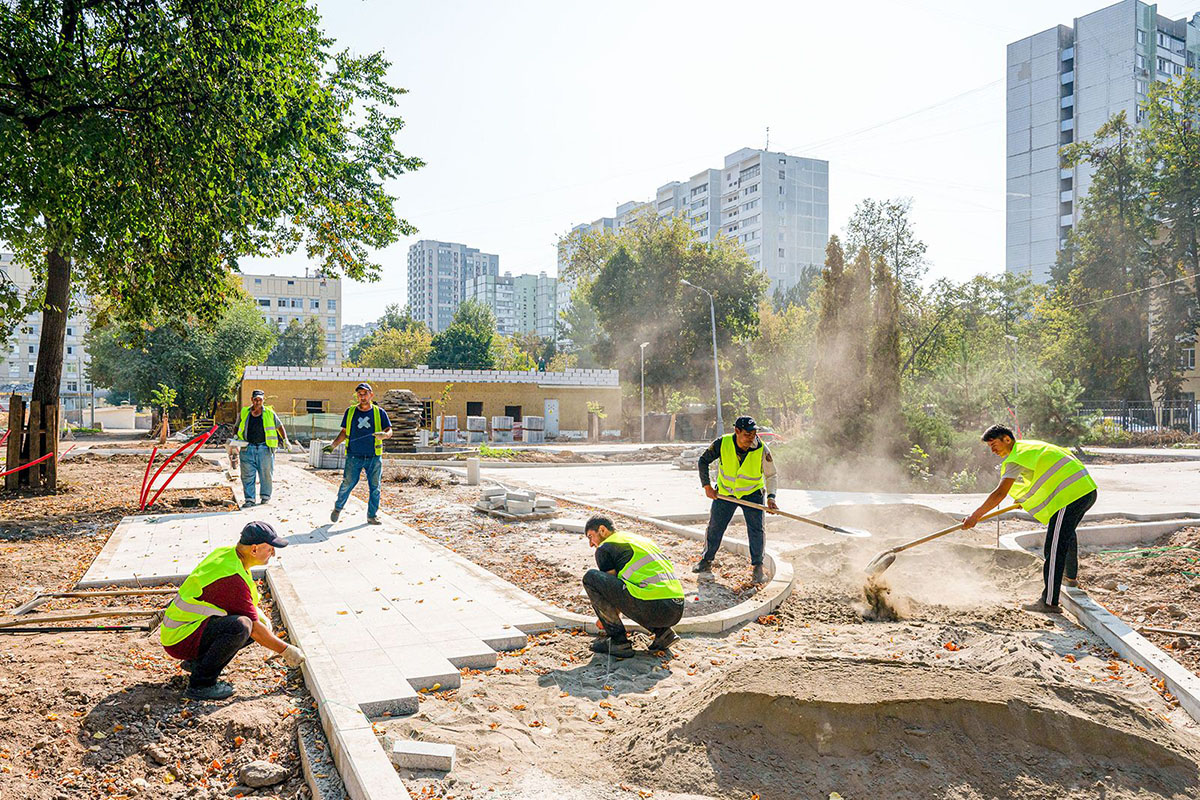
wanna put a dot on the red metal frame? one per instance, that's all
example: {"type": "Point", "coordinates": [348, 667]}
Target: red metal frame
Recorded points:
{"type": "Point", "coordinates": [198, 441]}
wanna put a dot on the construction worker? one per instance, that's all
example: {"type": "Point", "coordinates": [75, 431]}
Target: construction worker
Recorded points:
{"type": "Point", "coordinates": [1053, 486]}
{"type": "Point", "coordinates": [633, 578]}
{"type": "Point", "coordinates": [261, 430]}
{"type": "Point", "coordinates": [364, 427]}
{"type": "Point", "coordinates": [745, 470]}
{"type": "Point", "coordinates": [216, 614]}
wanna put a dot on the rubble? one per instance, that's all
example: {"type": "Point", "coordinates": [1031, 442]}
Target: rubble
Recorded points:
{"type": "Point", "coordinates": [517, 504]}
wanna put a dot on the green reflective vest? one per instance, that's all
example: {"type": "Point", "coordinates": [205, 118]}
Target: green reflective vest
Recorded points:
{"type": "Point", "coordinates": [378, 428]}
{"type": "Point", "coordinates": [739, 480]}
{"type": "Point", "coordinates": [270, 425]}
{"type": "Point", "coordinates": [185, 613]}
{"type": "Point", "coordinates": [649, 575]}
{"type": "Point", "coordinates": [1056, 478]}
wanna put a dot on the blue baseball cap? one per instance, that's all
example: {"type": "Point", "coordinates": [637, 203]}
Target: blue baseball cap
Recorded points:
{"type": "Point", "coordinates": [261, 533]}
{"type": "Point", "coordinates": [364, 385]}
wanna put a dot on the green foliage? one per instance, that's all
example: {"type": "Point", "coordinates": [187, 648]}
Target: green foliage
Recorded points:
{"type": "Point", "coordinates": [467, 343]}
{"type": "Point", "coordinates": [507, 354]}
{"type": "Point", "coordinates": [580, 328]}
{"type": "Point", "coordinates": [678, 401]}
{"type": "Point", "coordinates": [394, 318]}
{"type": "Point", "coordinates": [502, 453]}
{"type": "Point", "coordinates": [158, 143]}
{"type": "Point", "coordinates": [299, 345]}
{"type": "Point", "coordinates": [396, 348]}
{"type": "Point", "coordinates": [884, 229]}
{"type": "Point", "coordinates": [203, 361]}
{"type": "Point", "coordinates": [163, 398]}
{"type": "Point", "coordinates": [916, 463]}
{"type": "Point", "coordinates": [596, 408]}
{"type": "Point", "coordinates": [1050, 409]}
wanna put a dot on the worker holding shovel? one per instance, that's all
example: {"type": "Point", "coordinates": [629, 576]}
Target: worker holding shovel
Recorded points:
{"type": "Point", "coordinates": [745, 471]}
{"type": "Point", "coordinates": [1053, 486]}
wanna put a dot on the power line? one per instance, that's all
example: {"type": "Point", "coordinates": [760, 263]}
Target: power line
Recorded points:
{"type": "Point", "coordinates": [1134, 291]}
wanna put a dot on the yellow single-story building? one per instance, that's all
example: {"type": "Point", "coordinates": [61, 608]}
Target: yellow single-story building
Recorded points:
{"type": "Point", "coordinates": [561, 397]}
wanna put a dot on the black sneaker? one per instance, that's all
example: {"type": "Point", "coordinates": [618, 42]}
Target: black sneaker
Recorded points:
{"type": "Point", "coordinates": [664, 640]}
{"type": "Point", "coordinates": [374, 521]}
{"type": "Point", "coordinates": [615, 649]}
{"type": "Point", "coordinates": [248, 504]}
{"type": "Point", "coordinates": [264, 501]}
{"type": "Point", "coordinates": [218, 691]}
{"type": "Point", "coordinates": [760, 574]}
{"type": "Point", "coordinates": [187, 666]}
{"type": "Point", "coordinates": [333, 515]}
{"type": "Point", "coordinates": [703, 566]}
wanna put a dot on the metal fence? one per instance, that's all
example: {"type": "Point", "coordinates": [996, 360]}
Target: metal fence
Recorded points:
{"type": "Point", "coordinates": [1180, 415]}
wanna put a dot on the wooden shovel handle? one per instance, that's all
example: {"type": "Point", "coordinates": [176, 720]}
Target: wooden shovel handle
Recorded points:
{"type": "Point", "coordinates": [796, 517]}
{"type": "Point", "coordinates": [952, 529]}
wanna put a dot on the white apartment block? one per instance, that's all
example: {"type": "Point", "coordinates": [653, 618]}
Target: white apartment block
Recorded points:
{"type": "Point", "coordinates": [775, 205]}
{"type": "Point", "coordinates": [438, 276]}
{"type": "Point", "coordinates": [353, 334]}
{"type": "Point", "coordinates": [521, 303]}
{"type": "Point", "coordinates": [18, 356]}
{"type": "Point", "coordinates": [1063, 84]}
{"type": "Point", "coordinates": [283, 298]}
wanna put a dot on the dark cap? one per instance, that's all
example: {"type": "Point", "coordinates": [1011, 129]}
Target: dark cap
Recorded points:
{"type": "Point", "coordinates": [745, 424]}
{"type": "Point", "coordinates": [261, 533]}
{"type": "Point", "coordinates": [364, 385]}
{"type": "Point", "coordinates": [258, 393]}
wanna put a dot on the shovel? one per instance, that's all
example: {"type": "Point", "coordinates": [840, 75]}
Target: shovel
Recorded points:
{"type": "Point", "coordinates": [885, 559]}
{"type": "Point", "coordinates": [844, 531]}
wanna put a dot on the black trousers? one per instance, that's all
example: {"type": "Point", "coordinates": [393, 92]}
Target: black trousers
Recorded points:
{"type": "Point", "coordinates": [718, 520]}
{"type": "Point", "coordinates": [220, 642]}
{"type": "Point", "coordinates": [1062, 547]}
{"type": "Point", "coordinates": [611, 599]}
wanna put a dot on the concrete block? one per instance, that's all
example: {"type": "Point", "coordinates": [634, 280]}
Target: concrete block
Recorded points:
{"type": "Point", "coordinates": [411, 754]}
{"type": "Point", "coordinates": [568, 525]}
{"type": "Point", "coordinates": [424, 668]}
{"type": "Point", "coordinates": [519, 507]}
{"type": "Point", "coordinates": [472, 653]}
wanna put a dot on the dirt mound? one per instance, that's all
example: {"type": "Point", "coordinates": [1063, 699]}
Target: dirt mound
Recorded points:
{"type": "Point", "coordinates": [905, 520]}
{"type": "Point", "coordinates": [797, 727]}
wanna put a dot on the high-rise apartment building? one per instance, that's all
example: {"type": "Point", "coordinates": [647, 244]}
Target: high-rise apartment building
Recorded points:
{"type": "Point", "coordinates": [624, 213]}
{"type": "Point", "coordinates": [438, 276]}
{"type": "Point", "coordinates": [18, 357]}
{"type": "Point", "coordinates": [1063, 84]}
{"type": "Point", "coordinates": [521, 303]}
{"type": "Point", "coordinates": [353, 334]}
{"type": "Point", "coordinates": [774, 204]}
{"type": "Point", "coordinates": [283, 298]}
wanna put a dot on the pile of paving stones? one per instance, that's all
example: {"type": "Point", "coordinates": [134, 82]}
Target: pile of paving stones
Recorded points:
{"type": "Point", "coordinates": [404, 410]}
{"type": "Point", "coordinates": [518, 504]}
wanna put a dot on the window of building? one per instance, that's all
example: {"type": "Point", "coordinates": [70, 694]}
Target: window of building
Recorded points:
{"type": "Point", "coordinates": [782, 174]}
{"type": "Point", "coordinates": [749, 190]}
{"type": "Point", "coordinates": [297, 303]}
{"type": "Point", "coordinates": [514, 412]}
{"type": "Point", "coordinates": [70, 331]}
{"type": "Point", "coordinates": [72, 386]}
{"type": "Point", "coordinates": [1141, 87]}
{"type": "Point", "coordinates": [1141, 36]}
{"type": "Point", "coordinates": [31, 369]}
{"type": "Point", "coordinates": [291, 283]}
{"type": "Point", "coordinates": [314, 406]}
{"type": "Point", "coordinates": [333, 305]}
{"type": "Point", "coordinates": [1164, 65]}
{"type": "Point", "coordinates": [31, 348]}
{"type": "Point", "coordinates": [474, 409]}
{"type": "Point", "coordinates": [70, 367]}
{"type": "Point", "coordinates": [1188, 358]}
{"type": "Point", "coordinates": [753, 250]}
{"type": "Point", "coordinates": [1141, 61]}
{"type": "Point", "coordinates": [783, 161]}
{"type": "Point", "coordinates": [781, 252]}
{"type": "Point", "coordinates": [258, 281]}
{"type": "Point", "coordinates": [70, 350]}
{"type": "Point", "coordinates": [264, 302]}
{"type": "Point", "coordinates": [332, 321]}
{"type": "Point", "coordinates": [781, 190]}
{"type": "Point", "coordinates": [281, 303]}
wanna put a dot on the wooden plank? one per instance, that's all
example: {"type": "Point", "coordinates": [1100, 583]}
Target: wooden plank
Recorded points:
{"type": "Point", "coordinates": [50, 468]}
{"type": "Point", "coordinates": [89, 614]}
{"type": "Point", "coordinates": [33, 445]}
{"type": "Point", "coordinates": [16, 427]}
{"type": "Point", "coordinates": [42, 597]}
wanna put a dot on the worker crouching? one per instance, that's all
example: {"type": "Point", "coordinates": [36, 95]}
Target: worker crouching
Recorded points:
{"type": "Point", "coordinates": [633, 577]}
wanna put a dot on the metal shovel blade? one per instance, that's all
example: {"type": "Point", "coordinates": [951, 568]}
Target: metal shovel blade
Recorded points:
{"type": "Point", "coordinates": [880, 563]}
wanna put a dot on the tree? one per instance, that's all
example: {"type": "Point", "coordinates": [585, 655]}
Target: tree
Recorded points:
{"type": "Point", "coordinates": [884, 229]}
{"type": "Point", "coordinates": [202, 361]}
{"type": "Point", "coordinates": [300, 345]}
{"type": "Point", "coordinates": [395, 318]}
{"type": "Point", "coordinates": [393, 348]}
{"type": "Point", "coordinates": [160, 142]}
{"type": "Point", "coordinates": [162, 400]}
{"type": "Point", "coordinates": [467, 343]}
{"type": "Point", "coordinates": [507, 354]}
{"type": "Point", "coordinates": [579, 328]}
{"type": "Point", "coordinates": [779, 357]}
{"type": "Point", "coordinates": [883, 373]}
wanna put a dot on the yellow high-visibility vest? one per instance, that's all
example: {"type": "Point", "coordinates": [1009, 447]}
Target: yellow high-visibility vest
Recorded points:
{"type": "Point", "coordinates": [1056, 478]}
{"type": "Point", "coordinates": [739, 480]}
{"type": "Point", "coordinates": [185, 613]}
{"type": "Point", "coordinates": [269, 425]}
{"type": "Point", "coordinates": [649, 575]}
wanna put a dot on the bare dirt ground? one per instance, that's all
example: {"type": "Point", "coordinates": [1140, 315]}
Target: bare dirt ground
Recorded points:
{"type": "Point", "coordinates": [662, 453]}
{"type": "Point", "coordinates": [545, 562]}
{"type": "Point", "coordinates": [965, 696]}
{"type": "Point", "coordinates": [1156, 585]}
{"type": "Point", "coordinates": [101, 715]}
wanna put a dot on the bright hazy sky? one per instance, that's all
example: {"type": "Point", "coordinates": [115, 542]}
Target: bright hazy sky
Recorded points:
{"type": "Point", "coordinates": [535, 116]}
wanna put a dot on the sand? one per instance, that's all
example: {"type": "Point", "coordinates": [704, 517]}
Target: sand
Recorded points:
{"type": "Point", "coordinates": [965, 696]}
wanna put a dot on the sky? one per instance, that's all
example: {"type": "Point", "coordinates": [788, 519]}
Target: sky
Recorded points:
{"type": "Point", "coordinates": [533, 117]}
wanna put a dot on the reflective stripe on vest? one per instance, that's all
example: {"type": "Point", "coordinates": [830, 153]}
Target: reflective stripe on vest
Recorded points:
{"type": "Point", "coordinates": [269, 425]}
{"type": "Point", "coordinates": [1058, 478]}
{"type": "Point", "coordinates": [649, 575]}
{"type": "Point", "coordinates": [378, 428]}
{"type": "Point", "coordinates": [739, 480]}
{"type": "Point", "coordinates": [186, 611]}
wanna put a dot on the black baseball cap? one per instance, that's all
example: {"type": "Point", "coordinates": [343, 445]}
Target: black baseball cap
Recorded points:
{"type": "Point", "coordinates": [261, 533]}
{"type": "Point", "coordinates": [258, 393]}
{"type": "Point", "coordinates": [745, 424]}
{"type": "Point", "coordinates": [364, 385]}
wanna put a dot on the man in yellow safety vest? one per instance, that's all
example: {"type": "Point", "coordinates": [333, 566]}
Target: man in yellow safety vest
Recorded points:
{"type": "Point", "coordinates": [261, 430]}
{"type": "Point", "coordinates": [364, 427]}
{"type": "Point", "coordinates": [745, 470]}
{"type": "Point", "coordinates": [216, 614]}
{"type": "Point", "coordinates": [632, 577]}
{"type": "Point", "coordinates": [1055, 487]}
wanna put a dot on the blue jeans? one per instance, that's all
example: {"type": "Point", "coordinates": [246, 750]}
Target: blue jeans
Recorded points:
{"type": "Point", "coordinates": [718, 520]}
{"type": "Point", "coordinates": [257, 459]}
{"type": "Point", "coordinates": [354, 467]}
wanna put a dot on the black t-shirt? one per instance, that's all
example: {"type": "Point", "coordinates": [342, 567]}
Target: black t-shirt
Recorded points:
{"type": "Point", "coordinates": [613, 556]}
{"type": "Point", "coordinates": [254, 429]}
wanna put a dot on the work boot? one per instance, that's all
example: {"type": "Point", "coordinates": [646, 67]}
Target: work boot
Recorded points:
{"type": "Point", "coordinates": [248, 504]}
{"type": "Point", "coordinates": [760, 574]}
{"type": "Point", "coordinates": [374, 521]}
{"type": "Point", "coordinates": [187, 666]}
{"type": "Point", "coordinates": [704, 566]}
{"type": "Point", "coordinates": [333, 515]}
{"type": "Point", "coordinates": [664, 640]}
{"type": "Point", "coordinates": [264, 501]}
{"type": "Point", "coordinates": [1072, 582]}
{"type": "Point", "coordinates": [218, 691]}
{"type": "Point", "coordinates": [622, 649]}
{"type": "Point", "coordinates": [1040, 606]}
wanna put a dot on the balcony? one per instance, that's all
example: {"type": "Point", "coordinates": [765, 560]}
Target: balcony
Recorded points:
{"type": "Point", "coordinates": [1067, 101]}
{"type": "Point", "coordinates": [1066, 172]}
{"type": "Point", "coordinates": [1067, 124]}
{"type": "Point", "coordinates": [1067, 77]}
{"type": "Point", "coordinates": [1067, 196]}
{"type": "Point", "coordinates": [1068, 54]}
{"type": "Point", "coordinates": [1066, 221]}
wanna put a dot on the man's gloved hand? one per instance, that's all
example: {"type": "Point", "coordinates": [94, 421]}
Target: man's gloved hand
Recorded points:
{"type": "Point", "coordinates": [327, 448]}
{"type": "Point", "coordinates": [293, 656]}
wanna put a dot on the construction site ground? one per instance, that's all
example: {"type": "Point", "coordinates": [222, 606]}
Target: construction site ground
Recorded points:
{"type": "Point", "coordinates": [101, 714]}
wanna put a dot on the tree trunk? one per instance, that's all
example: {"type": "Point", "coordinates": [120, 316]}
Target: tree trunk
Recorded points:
{"type": "Point", "coordinates": [48, 377]}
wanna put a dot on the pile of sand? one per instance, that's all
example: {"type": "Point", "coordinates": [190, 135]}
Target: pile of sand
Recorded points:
{"type": "Point", "coordinates": [799, 727]}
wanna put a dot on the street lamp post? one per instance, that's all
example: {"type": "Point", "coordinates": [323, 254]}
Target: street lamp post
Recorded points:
{"type": "Point", "coordinates": [712, 313]}
{"type": "Point", "coordinates": [642, 348]}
